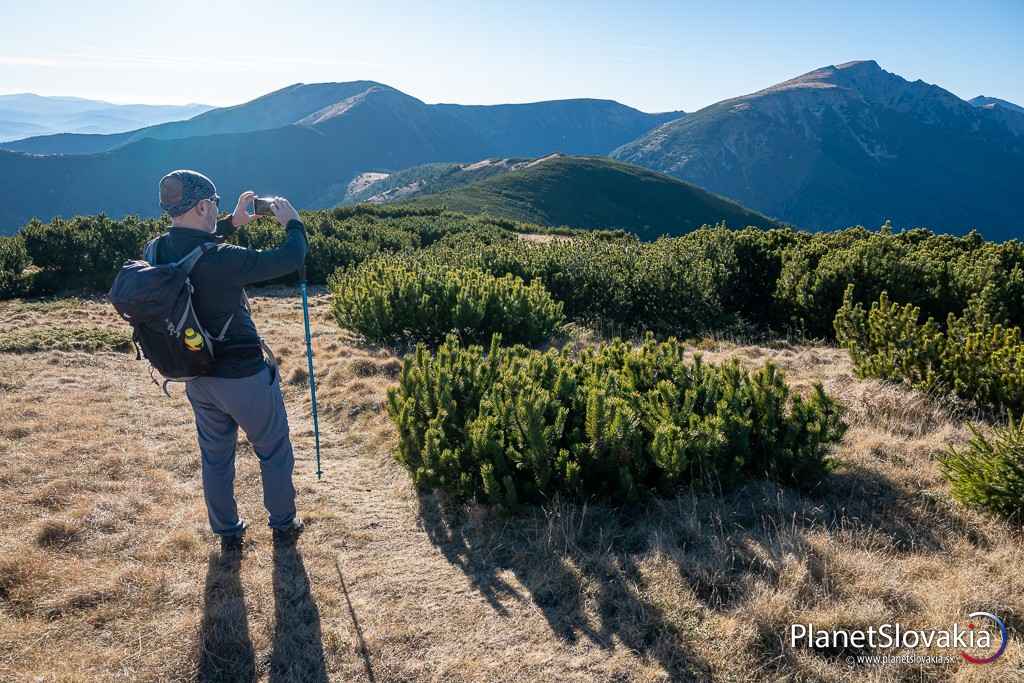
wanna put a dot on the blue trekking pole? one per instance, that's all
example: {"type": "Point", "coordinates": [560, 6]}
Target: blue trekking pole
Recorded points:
{"type": "Point", "coordinates": [309, 362]}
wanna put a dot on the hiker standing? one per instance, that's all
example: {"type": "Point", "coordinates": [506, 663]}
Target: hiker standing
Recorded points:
{"type": "Point", "coordinates": [243, 387]}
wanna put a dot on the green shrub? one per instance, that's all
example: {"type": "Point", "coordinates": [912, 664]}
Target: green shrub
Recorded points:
{"type": "Point", "coordinates": [13, 260]}
{"type": "Point", "coordinates": [671, 286]}
{"type": "Point", "coordinates": [989, 472]}
{"type": "Point", "coordinates": [875, 263]}
{"type": "Point", "coordinates": [86, 251]}
{"type": "Point", "coordinates": [750, 290]}
{"type": "Point", "coordinates": [974, 358]}
{"type": "Point", "coordinates": [941, 274]}
{"type": "Point", "coordinates": [513, 426]}
{"type": "Point", "coordinates": [386, 301]}
{"type": "Point", "coordinates": [703, 282]}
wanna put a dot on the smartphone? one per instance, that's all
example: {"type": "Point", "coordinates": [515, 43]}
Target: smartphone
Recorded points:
{"type": "Point", "coordinates": [261, 206]}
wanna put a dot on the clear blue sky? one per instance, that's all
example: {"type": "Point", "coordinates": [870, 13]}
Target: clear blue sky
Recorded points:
{"type": "Point", "coordinates": [655, 56]}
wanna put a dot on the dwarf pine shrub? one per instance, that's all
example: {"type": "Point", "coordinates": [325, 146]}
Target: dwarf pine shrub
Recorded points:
{"type": "Point", "coordinates": [386, 301]}
{"type": "Point", "coordinates": [671, 286]}
{"type": "Point", "coordinates": [973, 357]}
{"type": "Point", "coordinates": [511, 426]}
{"type": "Point", "coordinates": [989, 472]}
{"type": "Point", "coordinates": [86, 251]}
{"type": "Point", "coordinates": [13, 260]}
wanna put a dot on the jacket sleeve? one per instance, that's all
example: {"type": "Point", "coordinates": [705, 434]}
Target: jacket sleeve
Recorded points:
{"type": "Point", "coordinates": [248, 266]}
{"type": "Point", "coordinates": [225, 227]}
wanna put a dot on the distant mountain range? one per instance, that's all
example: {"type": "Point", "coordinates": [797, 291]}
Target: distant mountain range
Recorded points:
{"type": "Point", "coordinates": [841, 145]}
{"type": "Point", "coordinates": [26, 115]}
{"type": "Point", "coordinates": [853, 144]}
{"type": "Point", "coordinates": [584, 192]}
{"type": "Point", "coordinates": [306, 142]}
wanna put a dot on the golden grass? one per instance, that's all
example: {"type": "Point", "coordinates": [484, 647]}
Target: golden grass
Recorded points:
{"type": "Point", "coordinates": [109, 571]}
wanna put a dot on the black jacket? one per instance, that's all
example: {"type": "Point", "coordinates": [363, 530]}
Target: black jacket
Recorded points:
{"type": "Point", "coordinates": [219, 278]}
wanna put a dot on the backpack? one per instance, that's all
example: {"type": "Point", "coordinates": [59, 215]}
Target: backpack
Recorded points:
{"type": "Point", "coordinates": [157, 301]}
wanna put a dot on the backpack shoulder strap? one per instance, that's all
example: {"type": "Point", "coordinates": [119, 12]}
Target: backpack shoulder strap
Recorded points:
{"type": "Point", "coordinates": [149, 253]}
{"type": "Point", "coordinates": [188, 261]}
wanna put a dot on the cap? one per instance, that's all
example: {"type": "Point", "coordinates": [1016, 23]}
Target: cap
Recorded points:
{"type": "Point", "coordinates": [182, 189]}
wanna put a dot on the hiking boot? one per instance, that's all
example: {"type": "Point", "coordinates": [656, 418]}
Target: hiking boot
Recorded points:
{"type": "Point", "coordinates": [290, 533]}
{"type": "Point", "coordinates": [233, 542]}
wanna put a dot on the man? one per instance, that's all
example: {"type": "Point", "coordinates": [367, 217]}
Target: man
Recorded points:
{"type": "Point", "coordinates": [242, 388]}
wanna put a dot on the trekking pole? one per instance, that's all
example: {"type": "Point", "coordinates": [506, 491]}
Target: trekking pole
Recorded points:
{"type": "Point", "coordinates": [309, 362]}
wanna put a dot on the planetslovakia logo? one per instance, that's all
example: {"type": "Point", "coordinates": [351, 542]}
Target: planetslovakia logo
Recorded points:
{"type": "Point", "coordinates": [1003, 639]}
{"type": "Point", "coordinates": [894, 636]}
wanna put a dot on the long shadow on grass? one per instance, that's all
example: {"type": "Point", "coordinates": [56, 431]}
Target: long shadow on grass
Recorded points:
{"type": "Point", "coordinates": [298, 650]}
{"type": "Point", "coordinates": [225, 649]}
{"type": "Point", "coordinates": [582, 556]}
{"type": "Point", "coordinates": [909, 521]}
{"type": "Point", "coordinates": [734, 544]}
{"type": "Point", "coordinates": [724, 547]}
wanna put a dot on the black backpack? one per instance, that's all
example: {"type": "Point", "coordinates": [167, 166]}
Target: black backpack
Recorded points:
{"type": "Point", "coordinates": [157, 301]}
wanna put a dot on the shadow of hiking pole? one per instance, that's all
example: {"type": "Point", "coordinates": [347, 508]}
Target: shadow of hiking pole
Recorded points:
{"type": "Point", "coordinates": [363, 650]}
{"type": "Point", "coordinates": [225, 649]}
{"type": "Point", "coordinates": [298, 649]}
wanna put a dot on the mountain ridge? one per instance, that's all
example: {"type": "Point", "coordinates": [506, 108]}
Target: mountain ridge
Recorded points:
{"type": "Point", "coordinates": [309, 104]}
{"type": "Point", "coordinates": [840, 145]}
{"type": "Point", "coordinates": [845, 145]}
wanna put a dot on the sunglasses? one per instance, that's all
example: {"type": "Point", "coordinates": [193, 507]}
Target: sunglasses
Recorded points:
{"type": "Point", "coordinates": [215, 199]}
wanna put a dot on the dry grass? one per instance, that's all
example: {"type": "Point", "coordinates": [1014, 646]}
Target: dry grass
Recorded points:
{"type": "Point", "coordinates": [108, 569]}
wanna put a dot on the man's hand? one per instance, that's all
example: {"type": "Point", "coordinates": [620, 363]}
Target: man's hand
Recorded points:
{"type": "Point", "coordinates": [283, 211]}
{"type": "Point", "coordinates": [241, 215]}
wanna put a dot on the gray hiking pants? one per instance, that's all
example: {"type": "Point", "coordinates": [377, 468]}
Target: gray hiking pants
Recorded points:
{"type": "Point", "coordinates": [255, 402]}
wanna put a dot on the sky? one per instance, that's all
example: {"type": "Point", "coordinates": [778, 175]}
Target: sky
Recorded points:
{"type": "Point", "coordinates": [655, 56]}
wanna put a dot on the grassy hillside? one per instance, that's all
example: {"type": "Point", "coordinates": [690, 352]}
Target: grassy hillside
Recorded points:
{"type": "Point", "coordinates": [109, 570]}
{"type": "Point", "coordinates": [596, 192]}
{"type": "Point", "coordinates": [108, 559]}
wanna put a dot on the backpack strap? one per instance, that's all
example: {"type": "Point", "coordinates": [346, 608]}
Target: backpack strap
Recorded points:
{"type": "Point", "coordinates": [188, 261]}
{"type": "Point", "coordinates": [245, 305]}
{"type": "Point", "coordinates": [224, 330]}
{"type": "Point", "coordinates": [149, 253]}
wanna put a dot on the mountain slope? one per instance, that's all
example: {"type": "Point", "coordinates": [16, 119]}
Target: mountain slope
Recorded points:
{"type": "Point", "coordinates": [380, 188]}
{"type": "Point", "coordinates": [596, 192]}
{"type": "Point", "coordinates": [579, 126]}
{"type": "Point", "coordinates": [850, 144]}
{"type": "Point", "coordinates": [1007, 112]}
{"type": "Point", "coordinates": [983, 101]}
{"type": "Point", "coordinates": [27, 114]}
{"type": "Point", "coordinates": [334, 132]}
{"type": "Point", "coordinates": [273, 110]}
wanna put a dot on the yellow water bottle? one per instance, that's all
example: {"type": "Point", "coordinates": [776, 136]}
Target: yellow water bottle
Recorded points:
{"type": "Point", "coordinates": [193, 340]}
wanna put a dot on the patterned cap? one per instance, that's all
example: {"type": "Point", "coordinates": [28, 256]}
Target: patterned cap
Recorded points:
{"type": "Point", "coordinates": [182, 189]}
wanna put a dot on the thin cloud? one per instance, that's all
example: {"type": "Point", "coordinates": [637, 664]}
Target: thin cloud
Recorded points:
{"type": "Point", "coordinates": [234, 63]}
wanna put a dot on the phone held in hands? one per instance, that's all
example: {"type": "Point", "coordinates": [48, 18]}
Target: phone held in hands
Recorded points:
{"type": "Point", "coordinates": [261, 206]}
